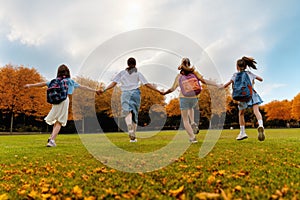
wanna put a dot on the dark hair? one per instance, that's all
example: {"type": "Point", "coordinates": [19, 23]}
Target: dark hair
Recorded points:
{"type": "Point", "coordinates": [131, 62]}
{"type": "Point", "coordinates": [246, 61]}
{"type": "Point", "coordinates": [63, 71]}
{"type": "Point", "coordinates": [185, 68]}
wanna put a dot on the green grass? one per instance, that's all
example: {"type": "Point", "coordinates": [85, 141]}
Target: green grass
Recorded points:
{"type": "Point", "coordinates": [246, 169]}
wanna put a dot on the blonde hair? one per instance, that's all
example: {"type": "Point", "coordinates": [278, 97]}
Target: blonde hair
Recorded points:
{"type": "Point", "coordinates": [185, 66]}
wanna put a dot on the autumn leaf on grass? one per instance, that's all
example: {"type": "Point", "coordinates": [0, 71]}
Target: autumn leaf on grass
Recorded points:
{"type": "Point", "coordinates": [4, 196]}
{"type": "Point", "coordinates": [206, 195]}
{"type": "Point", "coordinates": [33, 194]}
{"type": "Point", "coordinates": [280, 193]}
{"type": "Point", "coordinates": [77, 191]}
{"type": "Point", "coordinates": [242, 173]}
{"type": "Point", "coordinates": [211, 179]}
{"type": "Point", "coordinates": [177, 191]}
{"type": "Point", "coordinates": [221, 172]}
{"type": "Point", "coordinates": [90, 198]}
{"type": "Point", "coordinates": [85, 177]}
{"type": "Point", "coordinates": [238, 188]}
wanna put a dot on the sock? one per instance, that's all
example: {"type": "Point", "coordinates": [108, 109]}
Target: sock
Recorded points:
{"type": "Point", "coordinates": [242, 129]}
{"type": "Point", "coordinates": [260, 122]}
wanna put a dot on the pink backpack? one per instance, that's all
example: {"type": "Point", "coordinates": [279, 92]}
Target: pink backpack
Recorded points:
{"type": "Point", "coordinates": [189, 85]}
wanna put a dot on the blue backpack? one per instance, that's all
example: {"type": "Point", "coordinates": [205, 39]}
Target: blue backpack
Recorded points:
{"type": "Point", "coordinates": [57, 90]}
{"type": "Point", "coordinates": [242, 87]}
{"type": "Point", "coordinates": [189, 85]}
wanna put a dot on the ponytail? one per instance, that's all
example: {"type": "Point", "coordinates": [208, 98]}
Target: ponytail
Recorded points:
{"type": "Point", "coordinates": [246, 61]}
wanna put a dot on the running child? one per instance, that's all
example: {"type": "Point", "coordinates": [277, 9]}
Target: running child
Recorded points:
{"type": "Point", "coordinates": [58, 114]}
{"type": "Point", "coordinates": [129, 80]}
{"type": "Point", "coordinates": [255, 100]}
{"type": "Point", "coordinates": [189, 102]}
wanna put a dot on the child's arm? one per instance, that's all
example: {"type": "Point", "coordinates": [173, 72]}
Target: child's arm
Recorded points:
{"type": "Point", "coordinates": [111, 85]}
{"type": "Point", "coordinates": [174, 86]}
{"type": "Point", "coordinates": [205, 81]}
{"type": "Point", "coordinates": [259, 78]}
{"type": "Point", "coordinates": [227, 84]}
{"type": "Point", "coordinates": [41, 84]}
{"type": "Point", "coordinates": [83, 87]}
{"type": "Point", "coordinates": [168, 91]}
{"type": "Point", "coordinates": [151, 86]}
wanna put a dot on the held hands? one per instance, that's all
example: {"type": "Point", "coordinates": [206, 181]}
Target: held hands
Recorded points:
{"type": "Point", "coordinates": [220, 86]}
{"type": "Point", "coordinates": [27, 86]}
{"type": "Point", "coordinates": [100, 91]}
{"type": "Point", "coordinates": [161, 92]}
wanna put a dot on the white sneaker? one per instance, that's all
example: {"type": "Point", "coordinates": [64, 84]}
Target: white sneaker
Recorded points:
{"type": "Point", "coordinates": [261, 134]}
{"type": "Point", "coordinates": [131, 133]}
{"type": "Point", "coordinates": [242, 136]}
{"type": "Point", "coordinates": [193, 141]}
{"type": "Point", "coordinates": [51, 143]}
{"type": "Point", "coordinates": [135, 140]}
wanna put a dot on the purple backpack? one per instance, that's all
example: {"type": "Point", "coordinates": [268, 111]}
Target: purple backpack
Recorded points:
{"type": "Point", "coordinates": [189, 85]}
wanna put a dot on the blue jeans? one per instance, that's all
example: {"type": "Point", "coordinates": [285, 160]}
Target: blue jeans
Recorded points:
{"type": "Point", "coordinates": [131, 101]}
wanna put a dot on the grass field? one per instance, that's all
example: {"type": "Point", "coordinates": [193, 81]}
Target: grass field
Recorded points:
{"type": "Point", "coordinates": [246, 169]}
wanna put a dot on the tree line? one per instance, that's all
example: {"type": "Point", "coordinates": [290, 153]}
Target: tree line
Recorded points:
{"type": "Point", "coordinates": [23, 110]}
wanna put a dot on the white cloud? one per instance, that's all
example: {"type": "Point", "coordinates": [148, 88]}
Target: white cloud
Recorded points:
{"type": "Point", "coordinates": [226, 30]}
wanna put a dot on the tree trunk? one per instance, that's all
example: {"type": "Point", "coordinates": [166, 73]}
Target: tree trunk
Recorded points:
{"type": "Point", "coordinates": [82, 124]}
{"type": "Point", "coordinates": [11, 122]}
{"type": "Point", "coordinates": [119, 130]}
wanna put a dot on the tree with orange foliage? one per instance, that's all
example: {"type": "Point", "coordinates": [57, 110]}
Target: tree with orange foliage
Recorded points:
{"type": "Point", "coordinates": [278, 110]}
{"type": "Point", "coordinates": [14, 99]}
{"type": "Point", "coordinates": [172, 108]}
{"type": "Point", "coordinates": [83, 102]}
{"type": "Point", "coordinates": [296, 107]}
{"type": "Point", "coordinates": [151, 102]}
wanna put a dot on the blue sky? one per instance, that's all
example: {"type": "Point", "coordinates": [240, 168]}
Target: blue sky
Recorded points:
{"type": "Point", "coordinates": [43, 34]}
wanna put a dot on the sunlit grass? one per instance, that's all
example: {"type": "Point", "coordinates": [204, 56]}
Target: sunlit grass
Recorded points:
{"type": "Point", "coordinates": [233, 169]}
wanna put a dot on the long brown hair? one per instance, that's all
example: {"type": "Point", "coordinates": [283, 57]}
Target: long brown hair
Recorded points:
{"type": "Point", "coordinates": [185, 68]}
{"type": "Point", "coordinates": [131, 62]}
{"type": "Point", "coordinates": [63, 72]}
{"type": "Point", "coordinates": [245, 62]}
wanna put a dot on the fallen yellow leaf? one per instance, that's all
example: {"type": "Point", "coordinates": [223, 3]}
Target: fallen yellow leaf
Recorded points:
{"type": "Point", "coordinates": [238, 188]}
{"type": "Point", "coordinates": [4, 196]}
{"type": "Point", "coordinates": [177, 191]}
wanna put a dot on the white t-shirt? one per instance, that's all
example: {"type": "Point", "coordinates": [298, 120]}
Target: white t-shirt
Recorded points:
{"type": "Point", "coordinates": [252, 77]}
{"type": "Point", "coordinates": [129, 81]}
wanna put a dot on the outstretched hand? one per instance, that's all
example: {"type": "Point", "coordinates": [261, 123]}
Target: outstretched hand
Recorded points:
{"type": "Point", "coordinates": [220, 86]}
{"type": "Point", "coordinates": [27, 86]}
{"type": "Point", "coordinates": [101, 91]}
{"type": "Point", "coordinates": [161, 92]}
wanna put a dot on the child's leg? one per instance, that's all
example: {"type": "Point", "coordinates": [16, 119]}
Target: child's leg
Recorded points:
{"type": "Point", "coordinates": [242, 134]}
{"type": "Point", "coordinates": [128, 119]}
{"type": "Point", "coordinates": [261, 134]}
{"type": "Point", "coordinates": [55, 131]}
{"type": "Point", "coordinates": [191, 115]}
{"type": "Point", "coordinates": [186, 123]}
{"type": "Point", "coordinates": [258, 115]}
{"type": "Point", "coordinates": [131, 127]}
{"type": "Point", "coordinates": [241, 117]}
{"type": "Point", "coordinates": [134, 126]}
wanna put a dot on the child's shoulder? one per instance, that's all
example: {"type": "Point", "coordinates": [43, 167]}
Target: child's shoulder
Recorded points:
{"type": "Point", "coordinates": [71, 81]}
